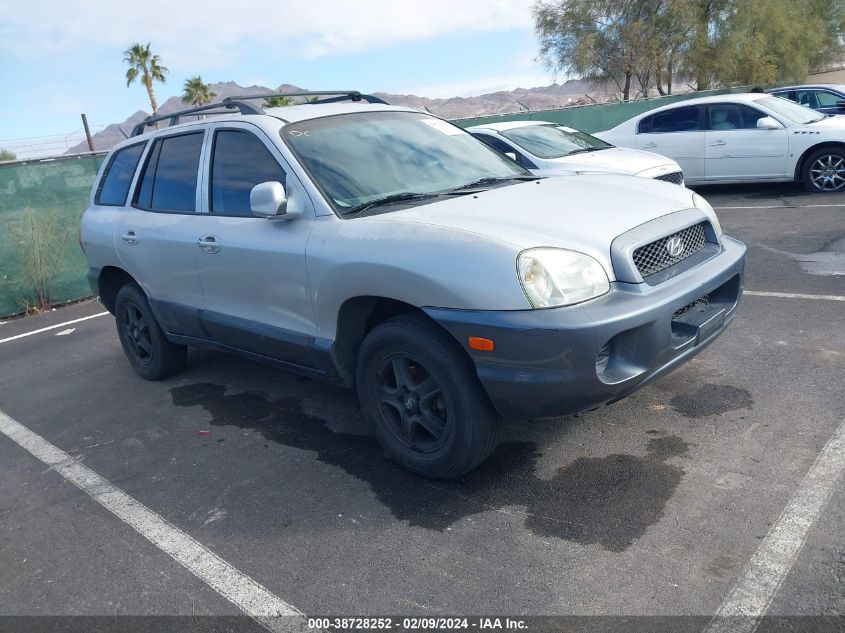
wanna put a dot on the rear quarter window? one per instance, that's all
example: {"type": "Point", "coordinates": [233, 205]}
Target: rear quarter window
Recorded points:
{"type": "Point", "coordinates": [114, 185]}
{"type": "Point", "coordinates": [681, 119]}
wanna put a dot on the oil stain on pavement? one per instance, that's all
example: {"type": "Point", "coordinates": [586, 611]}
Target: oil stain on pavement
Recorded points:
{"type": "Point", "coordinates": [609, 501]}
{"type": "Point", "coordinates": [711, 399]}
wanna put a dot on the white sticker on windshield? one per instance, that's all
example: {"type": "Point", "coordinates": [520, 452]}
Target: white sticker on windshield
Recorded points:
{"type": "Point", "coordinates": [442, 126]}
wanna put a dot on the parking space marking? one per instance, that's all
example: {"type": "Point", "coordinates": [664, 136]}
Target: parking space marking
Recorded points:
{"type": "Point", "coordinates": [52, 327]}
{"type": "Point", "coordinates": [789, 295]}
{"type": "Point", "coordinates": [751, 596]}
{"type": "Point", "coordinates": [249, 596]}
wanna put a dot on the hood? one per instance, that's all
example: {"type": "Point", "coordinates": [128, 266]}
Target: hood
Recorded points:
{"type": "Point", "coordinates": [583, 213]}
{"type": "Point", "coordinates": [835, 122]}
{"type": "Point", "coordinates": [617, 160]}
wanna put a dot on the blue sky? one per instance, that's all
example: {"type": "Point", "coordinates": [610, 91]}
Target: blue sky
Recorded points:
{"type": "Point", "coordinates": [59, 58]}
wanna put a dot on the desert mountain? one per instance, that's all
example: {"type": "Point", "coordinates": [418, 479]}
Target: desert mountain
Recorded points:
{"type": "Point", "coordinates": [542, 98]}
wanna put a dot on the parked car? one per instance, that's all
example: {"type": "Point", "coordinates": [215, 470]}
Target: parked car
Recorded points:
{"type": "Point", "coordinates": [386, 249]}
{"type": "Point", "coordinates": [546, 148]}
{"type": "Point", "coordinates": [742, 138]}
{"type": "Point", "coordinates": [825, 98]}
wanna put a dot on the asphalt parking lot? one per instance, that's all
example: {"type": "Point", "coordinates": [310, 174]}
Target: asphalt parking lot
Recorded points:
{"type": "Point", "coordinates": [661, 504]}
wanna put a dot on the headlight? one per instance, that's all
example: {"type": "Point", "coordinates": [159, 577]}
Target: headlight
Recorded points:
{"type": "Point", "coordinates": [702, 205]}
{"type": "Point", "coordinates": [553, 277]}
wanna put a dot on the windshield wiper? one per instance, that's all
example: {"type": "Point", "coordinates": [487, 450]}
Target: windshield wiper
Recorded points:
{"type": "Point", "coordinates": [482, 182]}
{"type": "Point", "coordinates": [404, 196]}
{"type": "Point", "coordinates": [586, 149]}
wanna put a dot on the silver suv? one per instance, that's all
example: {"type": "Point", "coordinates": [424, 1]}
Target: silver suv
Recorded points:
{"type": "Point", "coordinates": [386, 249]}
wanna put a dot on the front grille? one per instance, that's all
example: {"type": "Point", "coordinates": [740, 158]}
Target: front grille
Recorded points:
{"type": "Point", "coordinates": [701, 301]}
{"type": "Point", "coordinates": [675, 177]}
{"type": "Point", "coordinates": [654, 257]}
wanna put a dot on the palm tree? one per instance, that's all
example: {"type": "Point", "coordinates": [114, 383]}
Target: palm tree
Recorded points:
{"type": "Point", "coordinates": [196, 92]}
{"type": "Point", "coordinates": [143, 64]}
{"type": "Point", "coordinates": [277, 102]}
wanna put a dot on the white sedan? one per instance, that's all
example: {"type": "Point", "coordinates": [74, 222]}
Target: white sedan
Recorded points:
{"type": "Point", "coordinates": [547, 148]}
{"type": "Point", "coordinates": [742, 138]}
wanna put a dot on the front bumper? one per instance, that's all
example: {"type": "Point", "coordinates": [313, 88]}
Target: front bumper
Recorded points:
{"type": "Point", "coordinates": [563, 360]}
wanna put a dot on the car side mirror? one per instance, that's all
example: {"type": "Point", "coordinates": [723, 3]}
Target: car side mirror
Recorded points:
{"type": "Point", "coordinates": [511, 155]}
{"type": "Point", "coordinates": [768, 123]}
{"type": "Point", "coordinates": [268, 200]}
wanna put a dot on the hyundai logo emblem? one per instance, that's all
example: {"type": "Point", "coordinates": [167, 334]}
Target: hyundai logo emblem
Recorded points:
{"type": "Point", "coordinates": [675, 246]}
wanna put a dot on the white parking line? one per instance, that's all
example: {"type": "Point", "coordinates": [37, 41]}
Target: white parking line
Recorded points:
{"type": "Point", "coordinates": [248, 595]}
{"type": "Point", "coordinates": [52, 327]}
{"type": "Point", "coordinates": [786, 295]}
{"type": "Point", "coordinates": [751, 596]}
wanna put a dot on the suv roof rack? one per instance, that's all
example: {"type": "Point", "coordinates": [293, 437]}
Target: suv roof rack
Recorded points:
{"type": "Point", "coordinates": [337, 95]}
{"type": "Point", "coordinates": [238, 103]}
{"type": "Point", "coordinates": [227, 105]}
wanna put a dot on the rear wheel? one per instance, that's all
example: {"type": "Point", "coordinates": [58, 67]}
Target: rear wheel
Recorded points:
{"type": "Point", "coordinates": [422, 395]}
{"type": "Point", "coordinates": [143, 341]}
{"type": "Point", "coordinates": [824, 170]}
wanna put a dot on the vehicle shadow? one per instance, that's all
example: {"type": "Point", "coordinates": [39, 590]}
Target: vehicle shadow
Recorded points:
{"type": "Point", "coordinates": [610, 501]}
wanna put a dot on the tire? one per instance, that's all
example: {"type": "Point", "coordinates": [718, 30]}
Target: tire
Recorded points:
{"type": "Point", "coordinates": [421, 394]}
{"type": "Point", "coordinates": [143, 341]}
{"type": "Point", "coordinates": [824, 170]}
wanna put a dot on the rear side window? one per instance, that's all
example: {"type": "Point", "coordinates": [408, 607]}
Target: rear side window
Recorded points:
{"type": "Point", "coordinates": [114, 185]}
{"type": "Point", "coordinates": [683, 119]}
{"type": "Point", "coordinates": [169, 181]}
{"type": "Point", "coordinates": [239, 162]}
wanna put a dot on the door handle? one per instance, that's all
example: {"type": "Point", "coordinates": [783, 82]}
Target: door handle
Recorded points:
{"type": "Point", "coordinates": [650, 145]}
{"type": "Point", "coordinates": [130, 238]}
{"type": "Point", "coordinates": [208, 244]}
{"type": "Point", "coordinates": [719, 142]}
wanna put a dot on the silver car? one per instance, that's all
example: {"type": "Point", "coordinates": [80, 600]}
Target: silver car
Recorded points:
{"type": "Point", "coordinates": [385, 249]}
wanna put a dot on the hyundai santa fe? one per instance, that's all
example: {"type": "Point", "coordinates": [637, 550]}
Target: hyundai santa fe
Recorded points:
{"type": "Point", "coordinates": [388, 250]}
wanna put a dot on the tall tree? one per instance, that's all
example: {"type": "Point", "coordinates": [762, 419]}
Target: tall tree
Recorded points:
{"type": "Point", "coordinates": [600, 40]}
{"type": "Point", "coordinates": [772, 41]}
{"type": "Point", "coordinates": [196, 92]}
{"type": "Point", "coordinates": [670, 37]}
{"type": "Point", "coordinates": [711, 42]}
{"type": "Point", "coordinates": [144, 64]}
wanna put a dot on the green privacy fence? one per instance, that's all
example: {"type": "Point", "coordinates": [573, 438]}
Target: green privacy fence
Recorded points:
{"type": "Point", "coordinates": [40, 205]}
{"type": "Point", "coordinates": [594, 118]}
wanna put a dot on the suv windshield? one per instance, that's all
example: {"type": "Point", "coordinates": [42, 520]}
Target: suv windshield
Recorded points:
{"type": "Point", "coordinates": [364, 157]}
{"type": "Point", "coordinates": [790, 110]}
{"type": "Point", "coordinates": [550, 141]}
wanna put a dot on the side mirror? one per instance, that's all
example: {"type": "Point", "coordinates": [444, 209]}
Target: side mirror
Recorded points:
{"type": "Point", "coordinates": [268, 200]}
{"type": "Point", "coordinates": [512, 156]}
{"type": "Point", "coordinates": [768, 123]}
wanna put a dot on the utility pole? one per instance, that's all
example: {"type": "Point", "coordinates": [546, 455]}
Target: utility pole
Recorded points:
{"type": "Point", "coordinates": [87, 133]}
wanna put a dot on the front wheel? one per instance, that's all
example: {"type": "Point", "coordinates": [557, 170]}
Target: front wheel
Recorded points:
{"type": "Point", "coordinates": [420, 392]}
{"type": "Point", "coordinates": [143, 341]}
{"type": "Point", "coordinates": [824, 171]}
